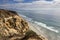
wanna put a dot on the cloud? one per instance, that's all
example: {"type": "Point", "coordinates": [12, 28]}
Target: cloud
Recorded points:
{"type": "Point", "coordinates": [56, 0]}
{"type": "Point", "coordinates": [36, 6]}
{"type": "Point", "coordinates": [18, 0]}
{"type": "Point", "coordinates": [39, 7]}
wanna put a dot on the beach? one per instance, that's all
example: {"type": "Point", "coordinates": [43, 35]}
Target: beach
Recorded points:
{"type": "Point", "coordinates": [34, 28]}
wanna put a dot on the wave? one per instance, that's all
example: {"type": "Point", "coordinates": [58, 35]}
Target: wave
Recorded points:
{"type": "Point", "coordinates": [26, 18]}
{"type": "Point", "coordinates": [40, 24]}
{"type": "Point", "coordinates": [48, 27]}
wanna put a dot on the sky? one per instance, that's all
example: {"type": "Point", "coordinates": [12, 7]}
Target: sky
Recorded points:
{"type": "Point", "coordinates": [17, 1]}
{"type": "Point", "coordinates": [45, 6]}
{"type": "Point", "coordinates": [28, 4]}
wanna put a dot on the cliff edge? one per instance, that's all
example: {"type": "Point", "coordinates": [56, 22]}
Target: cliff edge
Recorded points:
{"type": "Point", "coordinates": [14, 27]}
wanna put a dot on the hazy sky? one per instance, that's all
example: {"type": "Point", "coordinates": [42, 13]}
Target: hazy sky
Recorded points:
{"type": "Point", "coordinates": [43, 6]}
{"type": "Point", "coordinates": [17, 1]}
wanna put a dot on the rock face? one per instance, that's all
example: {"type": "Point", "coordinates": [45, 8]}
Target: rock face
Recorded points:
{"type": "Point", "coordinates": [13, 27]}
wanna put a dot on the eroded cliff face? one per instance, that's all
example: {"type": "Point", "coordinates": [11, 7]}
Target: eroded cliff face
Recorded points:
{"type": "Point", "coordinates": [13, 27]}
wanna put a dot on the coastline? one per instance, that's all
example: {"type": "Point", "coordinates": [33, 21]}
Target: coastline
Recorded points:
{"type": "Point", "coordinates": [36, 31]}
{"type": "Point", "coordinates": [34, 27]}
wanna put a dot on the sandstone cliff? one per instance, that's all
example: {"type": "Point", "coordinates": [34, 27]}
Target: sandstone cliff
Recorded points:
{"type": "Point", "coordinates": [13, 27]}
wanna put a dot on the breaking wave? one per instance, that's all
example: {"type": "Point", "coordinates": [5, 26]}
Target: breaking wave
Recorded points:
{"type": "Point", "coordinates": [40, 24]}
{"type": "Point", "coordinates": [48, 27]}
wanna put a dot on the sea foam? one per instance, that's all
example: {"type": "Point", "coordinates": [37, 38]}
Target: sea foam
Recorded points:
{"type": "Point", "coordinates": [47, 27]}
{"type": "Point", "coordinates": [40, 24]}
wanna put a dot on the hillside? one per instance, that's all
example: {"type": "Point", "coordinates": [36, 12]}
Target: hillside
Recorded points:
{"type": "Point", "coordinates": [14, 27]}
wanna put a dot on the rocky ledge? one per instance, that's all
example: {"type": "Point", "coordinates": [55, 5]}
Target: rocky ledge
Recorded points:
{"type": "Point", "coordinates": [14, 27]}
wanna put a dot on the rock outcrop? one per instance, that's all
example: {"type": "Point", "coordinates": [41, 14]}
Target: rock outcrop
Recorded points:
{"type": "Point", "coordinates": [13, 27]}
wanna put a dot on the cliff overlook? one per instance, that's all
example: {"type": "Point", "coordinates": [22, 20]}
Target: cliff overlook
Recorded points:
{"type": "Point", "coordinates": [14, 27]}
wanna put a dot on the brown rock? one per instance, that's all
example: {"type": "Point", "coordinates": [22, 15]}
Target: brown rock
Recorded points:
{"type": "Point", "coordinates": [13, 27]}
{"type": "Point", "coordinates": [31, 35]}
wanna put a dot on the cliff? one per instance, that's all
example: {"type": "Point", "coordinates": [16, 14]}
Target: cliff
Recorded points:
{"type": "Point", "coordinates": [14, 27]}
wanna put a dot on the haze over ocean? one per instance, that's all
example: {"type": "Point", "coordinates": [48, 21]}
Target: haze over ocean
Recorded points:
{"type": "Point", "coordinates": [44, 13]}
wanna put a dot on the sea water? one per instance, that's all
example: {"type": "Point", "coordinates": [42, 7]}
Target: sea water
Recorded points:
{"type": "Point", "coordinates": [46, 24]}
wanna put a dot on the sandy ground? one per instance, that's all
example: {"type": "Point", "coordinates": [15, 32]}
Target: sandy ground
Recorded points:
{"type": "Point", "coordinates": [35, 29]}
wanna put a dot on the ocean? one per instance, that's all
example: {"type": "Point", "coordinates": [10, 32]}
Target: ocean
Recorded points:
{"type": "Point", "coordinates": [43, 15]}
{"type": "Point", "coordinates": [46, 24]}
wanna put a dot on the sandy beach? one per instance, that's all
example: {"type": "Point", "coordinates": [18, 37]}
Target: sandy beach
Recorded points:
{"type": "Point", "coordinates": [35, 29]}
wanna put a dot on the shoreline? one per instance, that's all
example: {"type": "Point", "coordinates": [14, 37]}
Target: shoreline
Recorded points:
{"type": "Point", "coordinates": [31, 27]}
